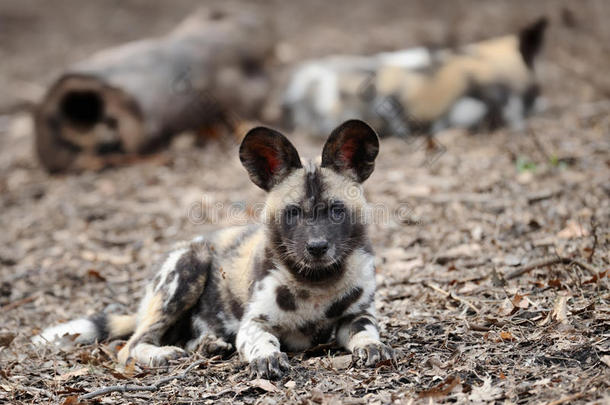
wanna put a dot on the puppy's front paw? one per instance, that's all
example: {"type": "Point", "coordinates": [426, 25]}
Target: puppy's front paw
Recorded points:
{"type": "Point", "coordinates": [371, 354]}
{"type": "Point", "coordinates": [164, 355]}
{"type": "Point", "coordinates": [150, 355]}
{"type": "Point", "coordinates": [270, 367]}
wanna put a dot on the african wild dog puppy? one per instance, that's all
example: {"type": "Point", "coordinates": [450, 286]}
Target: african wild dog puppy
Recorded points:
{"type": "Point", "coordinates": [483, 85]}
{"type": "Point", "coordinates": [304, 274]}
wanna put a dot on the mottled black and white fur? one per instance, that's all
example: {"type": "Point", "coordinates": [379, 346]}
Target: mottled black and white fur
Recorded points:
{"type": "Point", "coordinates": [302, 276]}
{"type": "Point", "coordinates": [483, 85]}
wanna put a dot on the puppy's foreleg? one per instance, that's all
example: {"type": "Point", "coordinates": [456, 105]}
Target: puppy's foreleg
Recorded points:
{"type": "Point", "coordinates": [261, 348]}
{"type": "Point", "coordinates": [358, 334]}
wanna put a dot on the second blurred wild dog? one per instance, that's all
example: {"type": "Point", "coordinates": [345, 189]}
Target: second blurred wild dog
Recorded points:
{"type": "Point", "coordinates": [303, 275]}
{"type": "Point", "coordinates": [479, 86]}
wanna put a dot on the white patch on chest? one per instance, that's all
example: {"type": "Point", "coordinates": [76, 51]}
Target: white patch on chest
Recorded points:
{"type": "Point", "coordinates": [312, 308]}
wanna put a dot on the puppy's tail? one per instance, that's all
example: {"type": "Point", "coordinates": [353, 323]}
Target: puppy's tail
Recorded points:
{"type": "Point", "coordinates": [87, 330]}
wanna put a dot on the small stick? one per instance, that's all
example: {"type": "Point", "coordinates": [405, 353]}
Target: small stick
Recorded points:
{"type": "Point", "coordinates": [569, 398]}
{"type": "Point", "coordinates": [133, 388]}
{"type": "Point", "coordinates": [541, 195]}
{"type": "Point", "coordinates": [18, 303]}
{"type": "Point", "coordinates": [119, 388]}
{"type": "Point", "coordinates": [594, 232]}
{"type": "Point", "coordinates": [585, 266]}
{"type": "Point", "coordinates": [548, 262]}
{"type": "Point", "coordinates": [217, 394]}
{"type": "Point", "coordinates": [452, 296]}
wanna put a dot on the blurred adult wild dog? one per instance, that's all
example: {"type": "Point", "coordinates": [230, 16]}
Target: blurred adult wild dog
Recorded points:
{"type": "Point", "coordinates": [306, 273]}
{"type": "Point", "coordinates": [422, 90]}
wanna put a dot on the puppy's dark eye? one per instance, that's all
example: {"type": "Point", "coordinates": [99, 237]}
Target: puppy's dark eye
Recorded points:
{"type": "Point", "coordinates": [337, 212]}
{"type": "Point", "coordinates": [292, 212]}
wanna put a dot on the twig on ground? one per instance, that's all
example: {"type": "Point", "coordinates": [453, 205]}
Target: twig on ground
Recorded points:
{"type": "Point", "coordinates": [542, 195]}
{"type": "Point", "coordinates": [452, 296]}
{"type": "Point", "coordinates": [569, 398]}
{"type": "Point", "coordinates": [218, 394]}
{"type": "Point", "coordinates": [594, 233]}
{"type": "Point", "coordinates": [119, 388]}
{"type": "Point", "coordinates": [18, 303]}
{"type": "Point", "coordinates": [478, 328]}
{"type": "Point", "coordinates": [592, 271]}
{"type": "Point", "coordinates": [536, 264]}
{"type": "Point", "coordinates": [133, 388]}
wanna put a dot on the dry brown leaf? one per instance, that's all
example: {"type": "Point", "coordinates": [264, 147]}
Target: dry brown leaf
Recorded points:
{"type": "Point", "coordinates": [96, 275]}
{"type": "Point", "coordinates": [441, 389]}
{"type": "Point", "coordinates": [572, 230]}
{"type": "Point", "coordinates": [559, 313]}
{"type": "Point", "coordinates": [265, 385]}
{"type": "Point", "coordinates": [6, 338]}
{"type": "Point", "coordinates": [74, 373]}
{"type": "Point", "coordinates": [485, 392]}
{"type": "Point", "coordinates": [560, 309]}
{"type": "Point", "coordinates": [71, 400]}
{"type": "Point", "coordinates": [85, 356]}
{"type": "Point", "coordinates": [341, 362]}
{"type": "Point", "coordinates": [386, 363]}
{"type": "Point", "coordinates": [6, 387]}
{"type": "Point", "coordinates": [606, 359]}
{"type": "Point", "coordinates": [597, 277]}
{"type": "Point", "coordinates": [130, 368]}
{"type": "Point", "coordinates": [504, 335]}
{"type": "Point", "coordinates": [509, 307]}
{"type": "Point", "coordinates": [520, 301]}
{"type": "Point", "coordinates": [118, 375]}
{"type": "Point", "coordinates": [538, 284]}
{"type": "Point", "coordinates": [506, 308]}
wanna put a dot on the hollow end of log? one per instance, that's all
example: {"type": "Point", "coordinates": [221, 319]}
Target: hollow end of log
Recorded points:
{"type": "Point", "coordinates": [82, 114]}
{"type": "Point", "coordinates": [131, 99]}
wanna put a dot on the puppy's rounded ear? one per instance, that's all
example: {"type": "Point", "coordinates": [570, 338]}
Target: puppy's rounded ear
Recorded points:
{"type": "Point", "coordinates": [351, 150]}
{"type": "Point", "coordinates": [268, 156]}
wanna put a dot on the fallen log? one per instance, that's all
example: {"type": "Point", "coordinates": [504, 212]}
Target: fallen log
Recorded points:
{"type": "Point", "coordinates": [208, 73]}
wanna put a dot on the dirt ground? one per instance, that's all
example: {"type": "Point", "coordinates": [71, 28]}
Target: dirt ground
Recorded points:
{"type": "Point", "coordinates": [493, 265]}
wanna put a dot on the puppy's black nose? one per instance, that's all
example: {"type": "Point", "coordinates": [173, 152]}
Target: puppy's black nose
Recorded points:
{"type": "Point", "coordinates": [317, 247]}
